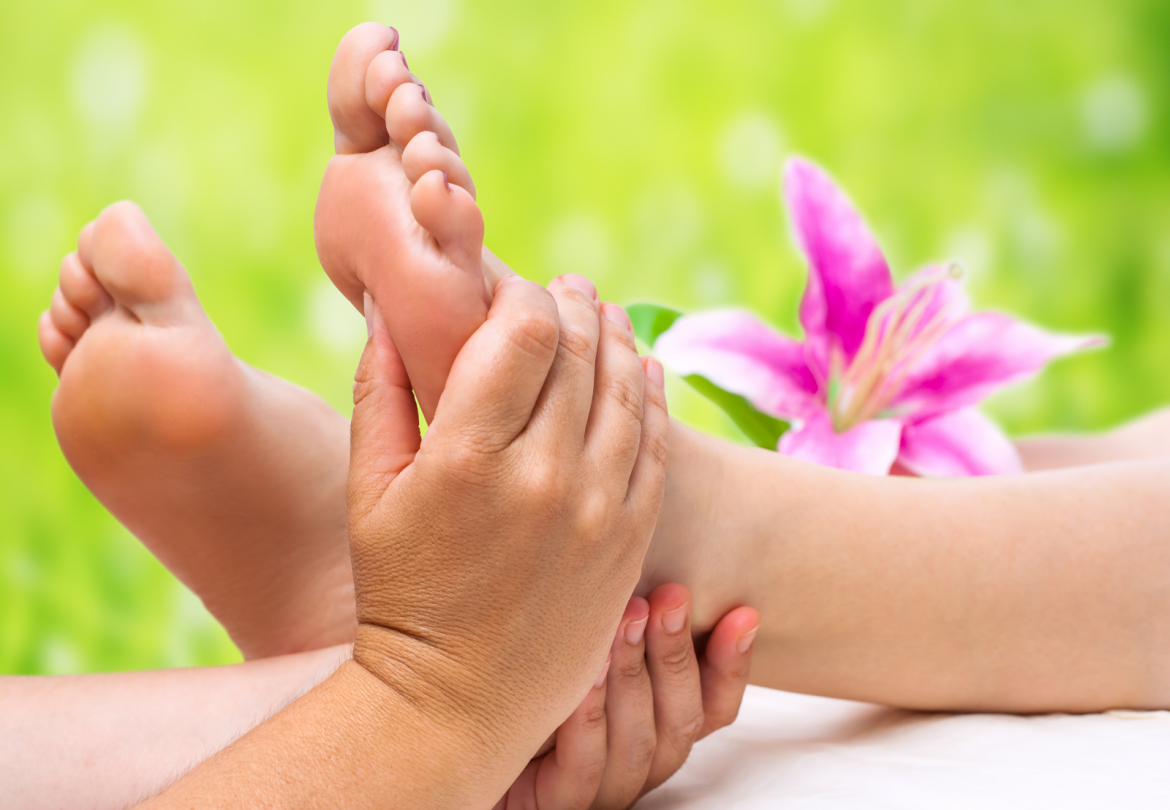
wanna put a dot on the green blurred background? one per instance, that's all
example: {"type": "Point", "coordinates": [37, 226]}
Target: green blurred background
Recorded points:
{"type": "Point", "coordinates": [636, 142]}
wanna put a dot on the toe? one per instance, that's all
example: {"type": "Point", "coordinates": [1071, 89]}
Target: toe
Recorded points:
{"type": "Point", "coordinates": [55, 346]}
{"type": "Point", "coordinates": [451, 216]}
{"type": "Point", "coordinates": [79, 287]}
{"type": "Point", "coordinates": [69, 319]}
{"type": "Point", "coordinates": [387, 72]}
{"type": "Point", "coordinates": [356, 126]}
{"type": "Point", "coordinates": [138, 270]}
{"type": "Point", "coordinates": [409, 113]}
{"type": "Point", "coordinates": [426, 154]}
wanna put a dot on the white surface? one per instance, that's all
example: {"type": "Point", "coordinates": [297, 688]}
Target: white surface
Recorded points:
{"type": "Point", "coordinates": [794, 751]}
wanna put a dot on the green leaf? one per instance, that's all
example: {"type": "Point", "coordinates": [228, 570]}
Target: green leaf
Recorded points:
{"type": "Point", "coordinates": [650, 321]}
{"type": "Point", "coordinates": [763, 430]}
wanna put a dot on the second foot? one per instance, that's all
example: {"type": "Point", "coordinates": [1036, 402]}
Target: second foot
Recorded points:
{"type": "Point", "coordinates": [234, 479]}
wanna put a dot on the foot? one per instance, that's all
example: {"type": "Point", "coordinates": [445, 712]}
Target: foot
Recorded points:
{"type": "Point", "coordinates": [234, 479]}
{"type": "Point", "coordinates": [397, 218]}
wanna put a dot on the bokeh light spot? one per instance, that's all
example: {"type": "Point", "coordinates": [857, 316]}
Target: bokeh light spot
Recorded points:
{"type": "Point", "coordinates": [749, 151]}
{"type": "Point", "coordinates": [421, 25]}
{"type": "Point", "coordinates": [110, 78]}
{"type": "Point", "coordinates": [1114, 112]}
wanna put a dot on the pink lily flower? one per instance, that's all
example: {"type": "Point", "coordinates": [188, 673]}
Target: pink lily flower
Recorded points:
{"type": "Point", "coordinates": [885, 374]}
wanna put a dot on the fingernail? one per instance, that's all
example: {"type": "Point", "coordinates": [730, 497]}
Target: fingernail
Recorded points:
{"type": "Point", "coordinates": [394, 41]}
{"type": "Point", "coordinates": [745, 641]}
{"type": "Point", "coordinates": [579, 283]}
{"type": "Point", "coordinates": [655, 373]}
{"type": "Point", "coordinates": [446, 181]}
{"type": "Point", "coordinates": [616, 314]}
{"type": "Point", "coordinates": [635, 630]}
{"type": "Point", "coordinates": [404, 62]}
{"type": "Point", "coordinates": [368, 306]}
{"type": "Point", "coordinates": [604, 671]}
{"type": "Point", "coordinates": [673, 621]}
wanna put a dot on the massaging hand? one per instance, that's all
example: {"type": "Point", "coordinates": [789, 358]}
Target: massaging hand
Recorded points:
{"type": "Point", "coordinates": [493, 558]}
{"type": "Point", "coordinates": [636, 728]}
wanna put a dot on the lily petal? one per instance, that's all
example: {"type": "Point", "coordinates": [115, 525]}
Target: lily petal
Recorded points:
{"type": "Point", "coordinates": [740, 354]}
{"type": "Point", "coordinates": [848, 276]}
{"type": "Point", "coordinates": [956, 445]}
{"type": "Point", "coordinates": [981, 353]}
{"type": "Point", "coordinates": [869, 448]}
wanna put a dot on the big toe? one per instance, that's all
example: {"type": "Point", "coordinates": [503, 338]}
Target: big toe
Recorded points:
{"type": "Point", "coordinates": [357, 127]}
{"type": "Point", "coordinates": [138, 270]}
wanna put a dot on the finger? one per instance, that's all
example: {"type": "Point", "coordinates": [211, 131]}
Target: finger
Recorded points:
{"type": "Point", "coordinates": [384, 433]}
{"type": "Point", "coordinates": [615, 420]}
{"type": "Point", "coordinates": [499, 373]}
{"type": "Point", "coordinates": [425, 153]}
{"type": "Point", "coordinates": [357, 127]}
{"type": "Point", "coordinates": [409, 112]}
{"type": "Point", "coordinates": [565, 401]}
{"type": "Point", "coordinates": [570, 774]}
{"type": "Point", "coordinates": [648, 479]}
{"type": "Point", "coordinates": [629, 708]}
{"type": "Point", "coordinates": [674, 676]}
{"type": "Point", "coordinates": [725, 667]}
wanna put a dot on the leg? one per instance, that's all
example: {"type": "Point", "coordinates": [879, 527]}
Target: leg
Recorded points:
{"type": "Point", "coordinates": [234, 479]}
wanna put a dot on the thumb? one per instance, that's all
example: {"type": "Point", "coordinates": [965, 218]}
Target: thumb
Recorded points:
{"type": "Point", "coordinates": [384, 432]}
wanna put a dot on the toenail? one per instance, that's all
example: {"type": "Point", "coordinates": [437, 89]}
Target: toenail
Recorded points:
{"type": "Point", "coordinates": [446, 182]}
{"type": "Point", "coordinates": [427, 96]}
{"type": "Point", "coordinates": [394, 39]}
{"type": "Point", "coordinates": [579, 283]}
{"type": "Point", "coordinates": [404, 62]}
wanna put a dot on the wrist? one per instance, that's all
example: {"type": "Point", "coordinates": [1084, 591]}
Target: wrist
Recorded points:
{"type": "Point", "coordinates": [438, 692]}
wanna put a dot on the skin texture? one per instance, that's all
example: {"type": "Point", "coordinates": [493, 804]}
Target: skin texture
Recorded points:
{"type": "Point", "coordinates": [188, 447]}
{"type": "Point", "coordinates": [109, 741]}
{"type": "Point", "coordinates": [453, 669]}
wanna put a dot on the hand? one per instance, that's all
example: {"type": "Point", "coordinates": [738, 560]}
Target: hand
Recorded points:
{"type": "Point", "coordinates": [637, 726]}
{"type": "Point", "coordinates": [493, 557]}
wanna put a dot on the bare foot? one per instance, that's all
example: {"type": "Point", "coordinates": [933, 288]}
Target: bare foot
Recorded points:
{"type": "Point", "coordinates": [386, 223]}
{"type": "Point", "coordinates": [396, 216]}
{"type": "Point", "coordinates": [233, 478]}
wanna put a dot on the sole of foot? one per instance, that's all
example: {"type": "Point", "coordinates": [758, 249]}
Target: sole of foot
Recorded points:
{"type": "Point", "coordinates": [233, 478]}
{"type": "Point", "coordinates": [397, 217]}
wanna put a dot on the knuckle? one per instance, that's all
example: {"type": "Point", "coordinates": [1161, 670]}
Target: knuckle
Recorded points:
{"type": "Point", "coordinates": [545, 483]}
{"type": "Point", "coordinates": [578, 342]}
{"type": "Point", "coordinates": [632, 670]}
{"type": "Point", "coordinates": [656, 447]}
{"type": "Point", "coordinates": [678, 662]}
{"type": "Point", "coordinates": [681, 735]}
{"type": "Point", "coordinates": [626, 395]}
{"type": "Point", "coordinates": [535, 333]}
{"type": "Point", "coordinates": [593, 719]}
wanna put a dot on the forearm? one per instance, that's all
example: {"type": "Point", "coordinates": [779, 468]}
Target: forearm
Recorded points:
{"type": "Point", "coordinates": [351, 742]}
{"type": "Point", "coordinates": [1145, 438]}
{"type": "Point", "coordinates": [1026, 593]}
{"type": "Point", "coordinates": [109, 740]}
